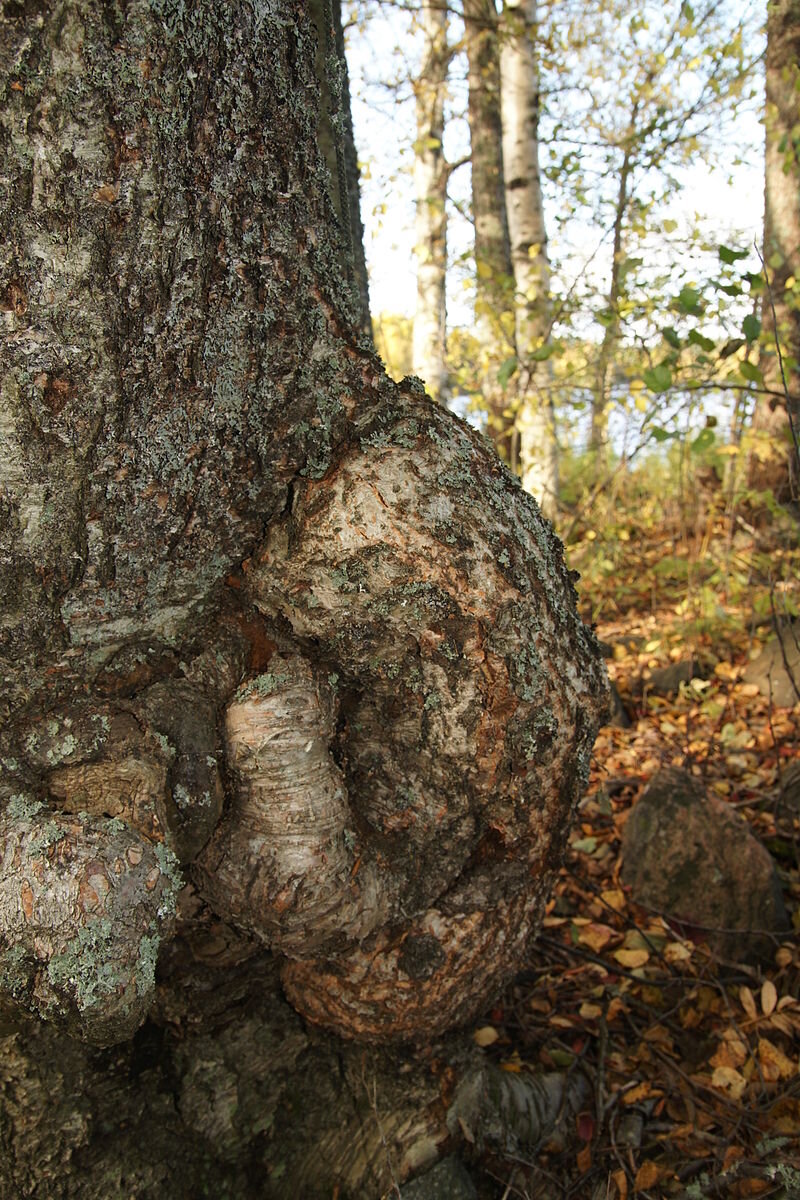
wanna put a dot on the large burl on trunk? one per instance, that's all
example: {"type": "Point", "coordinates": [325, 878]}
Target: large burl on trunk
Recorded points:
{"type": "Point", "coordinates": [296, 705]}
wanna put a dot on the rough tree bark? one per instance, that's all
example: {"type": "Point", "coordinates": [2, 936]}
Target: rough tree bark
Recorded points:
{"type": "Point", "coordinates": [494, 278]}
{"type": "Point", "coordinates": [777, 465]}
{"type": "Point", "coordinates": [296, 705]}
{"type": "Point", "coordinates": [431, 172]}
{"type": "Point", "coordinates": [520, 110]}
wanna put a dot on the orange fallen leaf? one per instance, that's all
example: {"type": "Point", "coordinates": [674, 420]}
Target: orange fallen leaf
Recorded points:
{"type": "Point", "coordinates": [584, 1158]}
{"type": "Point", "coordinates": [621, 1181]}
{"type": "Point", "coordinates": [642, 1091]}
{"type": "Point", "coordinates": [648, 1174]}
{"type": "Point", "coordinates": [774, 1063]}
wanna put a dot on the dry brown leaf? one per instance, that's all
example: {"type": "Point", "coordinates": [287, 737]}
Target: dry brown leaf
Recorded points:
{"type": "Point", "coordinates": [107, 194]}
{"type": "Point", "coordinates": [584, 1158]}
{"type": "Point", "coordinates": [590, 1012]}
{"type": "Point", "coordinates": [729, 1080]}
{"type": "Point", "coordinates": [748, 1002]}
{"type": "Point", "coordinates": [621, 1181]}
{"type": "Point", "coordinates": [769, 997]}
{"type": "Point", "coordinates": [677, 952]}
{"type": "Point", "coordinates": [631, 958]}
{"type": "Point", "coordinates": [487, 1035]}
{"type": "Point", "coordinates": [774, 1063]}
{"type": "Point", "coordinates": [730, 1054]}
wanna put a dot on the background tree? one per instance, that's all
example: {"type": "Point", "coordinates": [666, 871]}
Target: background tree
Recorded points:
{"type": "Point", "coordinates": [296, 705]}
{"type": "Point", "coordinates": [519, 73]}
{"type": "Point", "coordinates": [494, 278]}
{"type": "Point", "coordinates": [777, 420]}
{"type": "Point", "coordinates": [431, 172]}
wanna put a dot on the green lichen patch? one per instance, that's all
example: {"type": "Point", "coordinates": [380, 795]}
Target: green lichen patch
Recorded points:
{"type": "Point", "coordinates": [86, 968]}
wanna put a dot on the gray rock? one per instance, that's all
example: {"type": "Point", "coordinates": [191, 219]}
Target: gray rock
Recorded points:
{"type": "Point", "coordinates": [448, 1180]}
{"type": "Point", "coordinates": [776, 670]}
{"type": "Point", "coordinates": [690, 856]}
{"type": "Point", "coordinates": [666, 681]}
{"type": "Point", "coordinates": [617, 714]}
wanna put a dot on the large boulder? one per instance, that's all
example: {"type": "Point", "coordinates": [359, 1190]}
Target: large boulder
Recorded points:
{"type": "Point", "coordinates": [689, 856]}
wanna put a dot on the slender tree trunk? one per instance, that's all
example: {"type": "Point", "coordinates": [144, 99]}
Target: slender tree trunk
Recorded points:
{"type": "Point", "coordinates": [520, 109]}
{"type": "Point", "coordinates": [429, 348]}
{"type": "Point", "coordinates": [600, 399]}
{"type": "Point", "coordinates": [494, 279]}
{"type": "Point", "coordinates": [777, 423]}
{"type": "Point", "coordinates": [295, 705]}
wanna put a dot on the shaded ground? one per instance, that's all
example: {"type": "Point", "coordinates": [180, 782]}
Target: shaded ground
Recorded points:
{"type": "Point", "coordinates": [694, 1063]}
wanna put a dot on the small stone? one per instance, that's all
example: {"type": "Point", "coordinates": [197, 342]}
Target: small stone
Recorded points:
{"type": "Point", "coordinates": [448, 1180]}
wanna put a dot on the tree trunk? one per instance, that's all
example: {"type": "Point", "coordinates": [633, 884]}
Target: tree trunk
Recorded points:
{"type": "Point", "coordinates": [520, 109]}
{"type": "Point", "coordinates": [777, 423]}
{"type": "Point", "coordinates": [494, 278]}
{"type": "Point", "coordinates": [296, 705]}
{"type": "Point", "coordinates": [429, 348]}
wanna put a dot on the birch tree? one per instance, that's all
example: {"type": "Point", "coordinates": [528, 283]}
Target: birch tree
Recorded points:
{"type": "Point", "coordinates": [296, 705]}
{"type": "Point", "coordinates": [431, 171]}
{"type": "Point", "coordinates": [528, 238]}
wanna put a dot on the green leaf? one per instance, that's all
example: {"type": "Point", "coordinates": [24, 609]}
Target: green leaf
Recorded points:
{"type": "Point", "coordinates": [731, 256]}
{"type": "Point", "coordinates": [586, 845]}
{"type": "Point", "coordinates": [751, 327]}
{"type": "Point", "coordinates": [697, 339]}
{"type": "Point", "coordinates": [662, 435]}
{"type": "Point", "coordinates": [659, 379]}
{"type": "Point", "coordinates": [704, 440]}
{"type": "Point", "coordinates": [689, 299]}
{"type": "Point", "coordinates": [751, 372]}
{"type": "Point", "coordinates": [669, 225]}
{"type": "Point", "coordinates": [506, 371]}
{"type": "Point", "coordinates": [669, 335]}
{"type": "Point", "coordinates": [543, 353]}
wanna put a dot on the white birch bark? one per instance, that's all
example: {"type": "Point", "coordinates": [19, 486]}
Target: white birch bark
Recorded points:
{"type": "Point", "coordinates": [430, 189]}
{"type": "Point", "coordinates": [520, 110]}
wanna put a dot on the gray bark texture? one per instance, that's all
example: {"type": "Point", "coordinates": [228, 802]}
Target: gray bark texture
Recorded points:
{"type": "Point", "coordinates": [296, 705]}
{"type": "Point", "coordinates": [494, 275]}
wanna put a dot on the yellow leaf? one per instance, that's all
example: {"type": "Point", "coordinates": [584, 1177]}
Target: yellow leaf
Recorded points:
{"type": "Point", "coordinates": [595, 936]}
{"type": "Point", "coordinates": [748, 1002]}
{"type": "Point", "coordinates": [590, 1012]}
{"type": "Point", "coordinates": [487, 1035]}
{"type": "Point", "coordinates": [631, 958]}
{"type": "Point", "coordinates": [729, 1080]}
{"type": "Point", "coordinates": [614, 898]}
{"type": "Point", "coordinates": [769, 997]}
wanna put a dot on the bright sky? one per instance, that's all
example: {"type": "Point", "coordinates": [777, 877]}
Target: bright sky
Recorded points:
{"type": "Point", "coordinates": [727, 205]}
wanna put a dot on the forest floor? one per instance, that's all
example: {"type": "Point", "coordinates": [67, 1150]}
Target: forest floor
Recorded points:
{"type": "Point", "coordinates": [694, 1063]}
